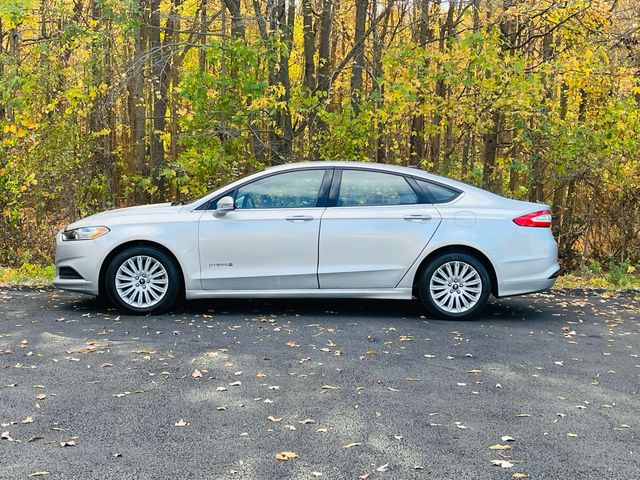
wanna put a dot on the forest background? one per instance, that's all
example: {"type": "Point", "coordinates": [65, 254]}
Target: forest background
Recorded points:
{"type": "Point", "coordinates": [109, 103]}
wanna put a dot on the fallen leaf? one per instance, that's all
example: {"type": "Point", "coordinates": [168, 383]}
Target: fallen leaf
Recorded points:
{"type": "Point", "coordinates": [196, 373]}
{"type": "Point", "coordinates": [498, 446]}
{"type": "Point", "coordinates": [507, 438]}
{"type": "Point", "coordinates": [34, 438]}
{"type": "Point", "coordinates": [181, 423]}
{"type": "Point", "coordinates": [38, 474]}
{"type": "Point", "coordinates": [520, 475]}
{"type": "Point", "coordinates": [68, 443]}
{"type": "Point", "coordinates": [572, 434]}
{"type": "Point", "coordinates": [383, 468]}
{"type": "Point", "coordinates": [306, 421]}
{"type": "Point", "coordinates": [501, 463]}
{"type": "Point", "coordinates": [41, 396]}
{"type": "Point", "coordinates": [351, 445]}
{"type": "Point", "coordinates": [284, 456]}
{"type": "Point", "coordinates": [271, 418]}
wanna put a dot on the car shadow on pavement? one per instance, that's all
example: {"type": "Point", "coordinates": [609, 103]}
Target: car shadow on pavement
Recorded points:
{"type": "Point", "coordinates": [522, 308]}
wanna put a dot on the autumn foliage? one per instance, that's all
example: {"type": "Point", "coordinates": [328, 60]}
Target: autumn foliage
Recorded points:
{"type": "Point", "coordinates": [107, 103]}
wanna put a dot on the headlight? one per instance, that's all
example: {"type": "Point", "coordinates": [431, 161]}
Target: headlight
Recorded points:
{"type": "Point", "coordinates": [84, 233]}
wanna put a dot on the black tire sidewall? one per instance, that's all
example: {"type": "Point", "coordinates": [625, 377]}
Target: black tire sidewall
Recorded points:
{"type": "Point", "coordinates": [167, 262]}
{"type": "Point", "coordinates": [425, 279]}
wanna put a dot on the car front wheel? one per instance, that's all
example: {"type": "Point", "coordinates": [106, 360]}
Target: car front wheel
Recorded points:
{"type": "Point", "coordinates": [454, 286]}
{"type": "Point", "coordinates": [142, 279]}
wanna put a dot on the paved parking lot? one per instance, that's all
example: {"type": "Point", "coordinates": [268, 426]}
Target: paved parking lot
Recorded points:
{"type": "Point", "coordinates": [545, 386]}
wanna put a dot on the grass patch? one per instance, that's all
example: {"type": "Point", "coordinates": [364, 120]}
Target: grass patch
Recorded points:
{"type": "Point", "coordinates": [27, 274]}
{"type": "Point", "coordinates": [616, 276]}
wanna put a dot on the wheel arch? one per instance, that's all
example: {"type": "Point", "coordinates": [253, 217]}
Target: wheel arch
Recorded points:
{"type": "Point", "coordinates": [474, 252]}
{"type": "Point", "coordinates": [137, 243]}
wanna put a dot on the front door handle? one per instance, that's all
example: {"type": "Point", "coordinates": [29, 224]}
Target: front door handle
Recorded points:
{"type": "Point", "coordinates": [299, 218]}
{"type": "Point", "coordinates": [417, 218]}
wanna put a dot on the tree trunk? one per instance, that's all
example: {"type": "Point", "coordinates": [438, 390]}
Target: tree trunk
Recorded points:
{"type": "Point", "coordinates": [377, 90]}
{"type": "Point", "coordinates": [324, 46]}
{"type": "Point", "coordinates": [490, 153]}
{"type": "Point", "coordinates": [281, 132]}
{"type": "Point", "coordinates": [416, 136]}
{"type": "Point", "coordinates": [2, 109]}
{"type": "Point", "coordinates": [491, 137]}
{"type": "Point", "coordinates": [358, 54]}
{"type": "Point", "coordinates": [323, 69]}
{"type": "Point", "coordinates": [137, 104]}
{"type": "Point", "coordinates": [159, 92]}
{"type": "Point", "coordinates": [202, 53]}
{"type": "Point", "coordinates": [237, 22]}
{"type": "Point", "coordinates": [309, 45]}
{"type": "Point", "coordinates": [446, 29]}
{"type": "Point", "coordinates": [14, 52]}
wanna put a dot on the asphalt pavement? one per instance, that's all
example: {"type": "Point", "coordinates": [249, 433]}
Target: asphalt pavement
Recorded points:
{"type": "Point", "coordinates": [544, 386]}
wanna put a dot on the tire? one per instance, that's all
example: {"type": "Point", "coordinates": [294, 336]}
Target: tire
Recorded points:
{"type": "Point", "coordinates": [142, 280]}
{"type": "Point", "coordinates": [454, 295]}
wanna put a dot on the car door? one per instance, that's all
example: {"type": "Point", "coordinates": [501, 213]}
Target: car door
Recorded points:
{"type": "Point", "coordinates": [270, 240]}
{"type": "Point", "coordinates": [379, 224]}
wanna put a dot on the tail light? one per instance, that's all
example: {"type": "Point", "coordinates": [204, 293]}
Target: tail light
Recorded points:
{"type": "Point", "coordinates": [541, 218]}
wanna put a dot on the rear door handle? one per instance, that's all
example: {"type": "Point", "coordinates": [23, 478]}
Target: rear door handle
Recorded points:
{"type": "Point", "coordinates": [299, 218]}
{"type": "Point", "coordinates": [417, 218]}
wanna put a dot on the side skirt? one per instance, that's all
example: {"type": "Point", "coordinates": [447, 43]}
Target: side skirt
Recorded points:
{"type": "Point", "coordinates": [387, 293]}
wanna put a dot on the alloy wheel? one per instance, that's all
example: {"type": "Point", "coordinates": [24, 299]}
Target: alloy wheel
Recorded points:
{"type": "Point", "coordinates": [455, 287]}
{"type": "Point", "coordinates": [141, 281]}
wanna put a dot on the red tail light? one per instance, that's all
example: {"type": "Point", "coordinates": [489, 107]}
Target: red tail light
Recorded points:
{"type": "Point", "coordinates": [540, 218]}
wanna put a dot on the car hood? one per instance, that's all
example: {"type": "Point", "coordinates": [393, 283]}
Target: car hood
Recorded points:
{"type": "Point", "coordinates": [114, 216]}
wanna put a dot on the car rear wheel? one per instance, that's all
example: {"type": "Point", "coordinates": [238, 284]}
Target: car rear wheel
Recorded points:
{"type": "Point", "coordinates": [454, 286]}
{"type": "Point", "coordinates": [142, 279]}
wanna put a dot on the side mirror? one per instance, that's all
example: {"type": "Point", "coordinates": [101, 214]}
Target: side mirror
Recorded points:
{"type": "Point", "coordinates": [225, 205]}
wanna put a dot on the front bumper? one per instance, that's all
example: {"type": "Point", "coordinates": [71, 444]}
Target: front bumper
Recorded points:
{"type": "Point", "coordinates": [83, 256]}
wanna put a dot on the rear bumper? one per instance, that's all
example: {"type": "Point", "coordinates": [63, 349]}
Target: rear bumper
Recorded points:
{"type": "Point", "coordinates": [528, 263]}
{"type": "Point", "coordinates": [531, 284]}
{"type": "Point", "coordinates": [557, 273]}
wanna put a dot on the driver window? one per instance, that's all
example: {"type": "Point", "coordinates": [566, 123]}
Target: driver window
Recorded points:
{"type": "Point", "coordinates": [297, 189]}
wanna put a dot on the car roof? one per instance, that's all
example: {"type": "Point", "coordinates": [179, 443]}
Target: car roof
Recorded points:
{"type": "Point", "coordinates": [343, 163]}
{"type": "Point", "coordinates": [383, 167]}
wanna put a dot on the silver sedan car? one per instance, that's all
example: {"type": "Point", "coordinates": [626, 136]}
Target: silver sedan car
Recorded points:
{"type": "Point", "coordinates": [320, 229]}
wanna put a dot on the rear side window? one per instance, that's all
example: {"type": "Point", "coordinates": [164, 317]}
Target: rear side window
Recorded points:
{"type": "Point", "coordinates": [438, 193]}
{"type": "Point", "coordinates": [360, 188]}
